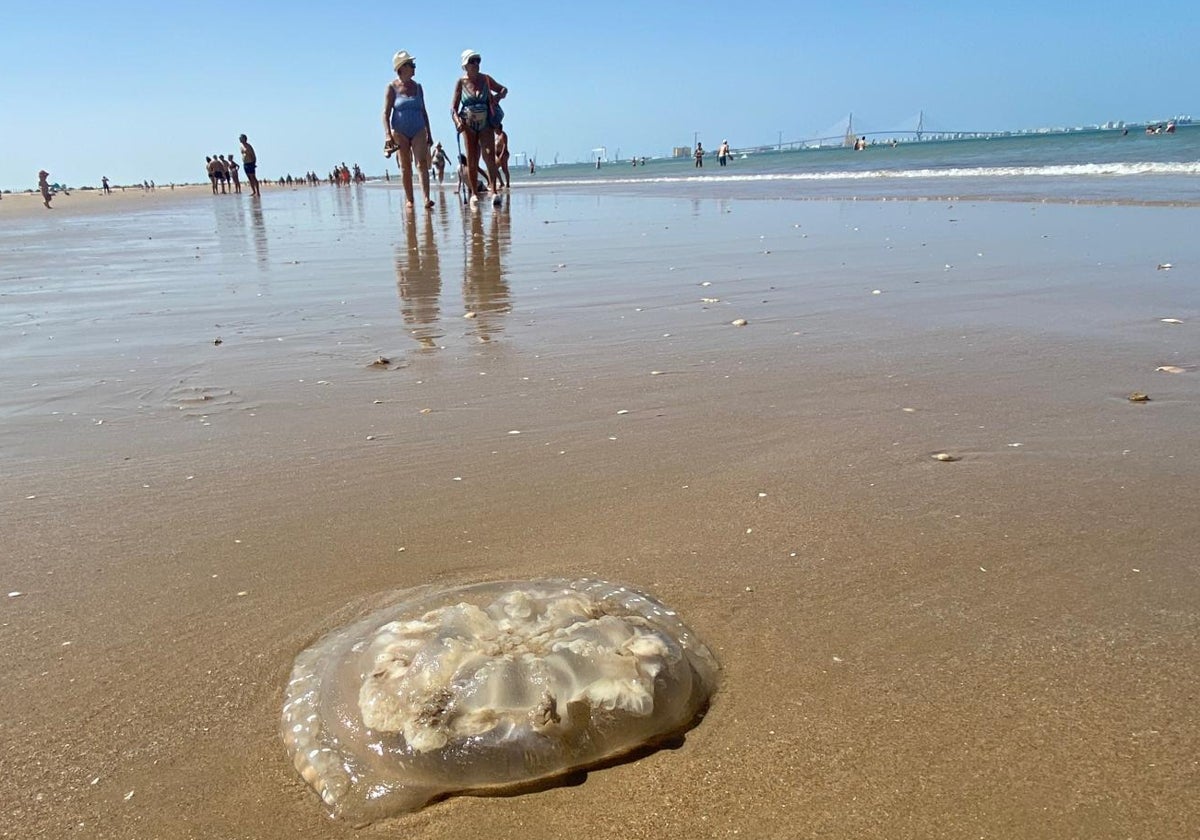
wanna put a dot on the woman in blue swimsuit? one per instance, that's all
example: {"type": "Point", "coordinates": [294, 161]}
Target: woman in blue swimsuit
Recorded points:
{"type": "Point", "coordinates": [406, 125]}
{"type": "Point", "coordinates": [476, 111]}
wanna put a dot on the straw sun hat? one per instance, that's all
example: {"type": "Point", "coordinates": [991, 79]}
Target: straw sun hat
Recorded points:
{"type": "Point", "coordinates": [401, 58]}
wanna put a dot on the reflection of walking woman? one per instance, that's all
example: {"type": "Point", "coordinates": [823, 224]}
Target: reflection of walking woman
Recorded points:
{"type": "Point", "coordinates": [419, 281]}
{"type": "Point", "coordinates": [476, 111]}
{"type": "Point", "coordinates": [406, 125]}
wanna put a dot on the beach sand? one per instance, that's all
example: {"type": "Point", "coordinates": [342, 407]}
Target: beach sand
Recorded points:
{"type": "Point", "coordinates": [1004, 645]}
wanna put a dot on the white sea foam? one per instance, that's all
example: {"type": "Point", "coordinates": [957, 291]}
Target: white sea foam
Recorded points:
{"type": "Point", "coordinates": [1079, 170]}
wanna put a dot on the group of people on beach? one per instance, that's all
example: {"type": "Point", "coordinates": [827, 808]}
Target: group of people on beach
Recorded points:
{"type": "Point", "coordinates": [223, 171]}
{"type": "Point", "coordinates": [478, 118]}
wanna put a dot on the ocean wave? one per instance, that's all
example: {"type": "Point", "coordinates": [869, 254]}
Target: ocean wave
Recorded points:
{"type": "Point", "coordinates": [1076, 170]}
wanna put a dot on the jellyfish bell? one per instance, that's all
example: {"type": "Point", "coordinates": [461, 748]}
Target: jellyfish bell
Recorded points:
{"type": "Point", "coordinates": [489, 687]}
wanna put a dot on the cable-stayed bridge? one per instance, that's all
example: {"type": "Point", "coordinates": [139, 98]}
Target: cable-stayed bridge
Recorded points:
{"type": "Point", "coordinates": [844, 132]}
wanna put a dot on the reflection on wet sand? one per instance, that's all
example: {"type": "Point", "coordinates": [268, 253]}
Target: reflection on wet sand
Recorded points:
{"type": "Point", "coordinates": [259, 232]}
{"type": "Point", "coordinates": [485, 291]}
{"type": "Point", "coordinates": [419, 281]}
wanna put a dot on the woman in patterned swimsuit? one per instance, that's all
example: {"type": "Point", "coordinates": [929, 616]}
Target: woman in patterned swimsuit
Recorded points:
{"type": "Point", "coordinates": [406, 125]}
{"type": "Point", "coordinates": [476, 112]}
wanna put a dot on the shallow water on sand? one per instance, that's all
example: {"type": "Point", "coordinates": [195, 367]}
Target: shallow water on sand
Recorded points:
{"type": "Point", "coordinates": [1008, 639]}
{"type": "Point", "coordinates": [210, 307]}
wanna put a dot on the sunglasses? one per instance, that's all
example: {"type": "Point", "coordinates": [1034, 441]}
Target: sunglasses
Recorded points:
{"type": "Point", "coordinates": [411, 64]}
{"type": "Point", "coordinates": [474, 60]}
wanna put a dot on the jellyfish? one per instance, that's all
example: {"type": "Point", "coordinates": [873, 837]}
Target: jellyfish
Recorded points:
{"type": "Point", "coordinates": [488, 688]}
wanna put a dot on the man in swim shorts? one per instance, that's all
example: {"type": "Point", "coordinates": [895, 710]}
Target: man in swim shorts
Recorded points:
{"type": "Point", "coordinates": [249, 164]}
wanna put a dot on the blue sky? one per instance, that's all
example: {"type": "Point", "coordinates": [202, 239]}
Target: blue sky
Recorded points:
{"type": "Point", "coordinates": [141, 90]}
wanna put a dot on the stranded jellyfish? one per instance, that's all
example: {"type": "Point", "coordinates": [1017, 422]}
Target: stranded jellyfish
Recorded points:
{"type": "Point", "coordinates": [488, 687]}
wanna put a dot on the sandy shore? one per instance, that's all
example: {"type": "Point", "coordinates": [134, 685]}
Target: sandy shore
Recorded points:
{"type": "Point", "coordinates": [84, 202]}
{"type": "Point", "coordinates": [1004, 645]}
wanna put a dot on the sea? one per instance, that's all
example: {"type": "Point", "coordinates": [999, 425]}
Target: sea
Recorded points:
{"type": "Point", "coordinates": [1100, 166]}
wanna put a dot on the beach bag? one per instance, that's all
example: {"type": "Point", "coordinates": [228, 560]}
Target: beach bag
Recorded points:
{"type": "Point", "coordinates": [475, 117]}
{"type": "Point", "coordinates": [497, 116]}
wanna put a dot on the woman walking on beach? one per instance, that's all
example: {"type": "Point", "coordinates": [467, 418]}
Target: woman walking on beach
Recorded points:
{"type": "Point", "coordinates": [44, 188]}
{"type": "Point", "coordinates": [476, 111]}
{"type": "Point", "coordinates": [406, 125]}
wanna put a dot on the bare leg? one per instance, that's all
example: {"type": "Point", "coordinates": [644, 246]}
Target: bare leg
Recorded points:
{"type": "Point", "coordinates": [472, 163]}
{"type": "Point", "coordinates": [421, 152]}
{"type": "Point", "coordinates": [404, 159]}
{"type": "Point", "coordinates": [487, 146]}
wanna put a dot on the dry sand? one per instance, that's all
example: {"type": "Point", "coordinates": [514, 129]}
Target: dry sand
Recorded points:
{"type": "Point", "coordinates": [999, 646]}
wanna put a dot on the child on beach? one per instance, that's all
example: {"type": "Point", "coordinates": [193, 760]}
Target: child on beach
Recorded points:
{"type": "Point", "coordinates": [464, 176]}
{"type": "Point", "coordinates": [464, 179]}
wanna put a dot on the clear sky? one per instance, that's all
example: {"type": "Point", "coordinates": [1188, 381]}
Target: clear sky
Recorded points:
{"type": "Point", "coordinates": [144, 90]}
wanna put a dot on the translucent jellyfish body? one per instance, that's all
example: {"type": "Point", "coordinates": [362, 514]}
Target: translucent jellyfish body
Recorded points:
{"type": "Point", "coordinates": [488, 687]}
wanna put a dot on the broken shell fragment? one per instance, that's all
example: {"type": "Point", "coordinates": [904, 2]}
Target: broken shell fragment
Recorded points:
{"type": "Point", "coordinates": [1138, 396]}
{"type": "Point", "coordinates": [1171, 369]}
{"type": "Point", "coordinates": [945, 456]}
{"type": "Point", "coordinates": [740, 322]}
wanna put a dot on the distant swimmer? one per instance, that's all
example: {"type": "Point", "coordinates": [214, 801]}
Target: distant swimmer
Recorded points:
{"type": "Point", "coordinates": [249, 164]}
{"type": "Point", "coordinates": [699, 155]}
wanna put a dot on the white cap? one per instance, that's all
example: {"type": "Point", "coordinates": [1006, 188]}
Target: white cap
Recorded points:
{"type": "Point", "coordinates": [467, 55]}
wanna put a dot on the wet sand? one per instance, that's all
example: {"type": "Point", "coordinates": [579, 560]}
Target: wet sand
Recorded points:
{"type": "Point", "coordinates": [1004, 645]}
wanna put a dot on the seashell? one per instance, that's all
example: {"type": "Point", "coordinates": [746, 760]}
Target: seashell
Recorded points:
{"type": "Point", "coordinates": [1138, 396]}
{"type": "Point", "coordinates": [1165, 266]}
{"type": "Point", "coordinates": [740, 322]}
{"type": "Point", "coordinates": [469, 315]}
{"type": "Point", "coordinates": [710, 300]}
{"type": "Point", "coordinates": [945, 456]}
{"type": "Point", "coordinates": [1170, 320]}
{"type": "Point", "coordinates": [1171, 369]}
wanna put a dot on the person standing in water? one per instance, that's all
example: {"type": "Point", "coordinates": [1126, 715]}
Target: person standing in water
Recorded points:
{"type": "Point", "coordinates": [723, 152]}
{"type": "Point", "coordinates": [249, 164]}
{"type": "Point", "coordinates": [476, 111]}
{"type": "Point", "coordinates": [406, 126]}
{"type": "Point", "coordinates": [699, 156]}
